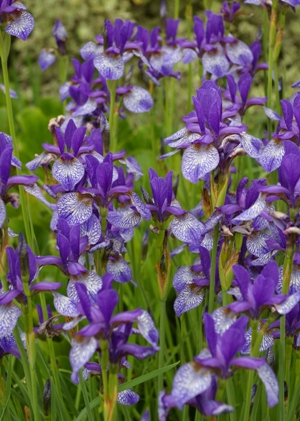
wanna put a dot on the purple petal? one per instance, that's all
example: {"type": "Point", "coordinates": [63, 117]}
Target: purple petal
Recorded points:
{"type": "Point", "coordinates": [140, 206]}
{"type": "Point", "coordinates": [288, 304]}
{"type": "Point", "coordinates": [215, 61]}
{"type": "Point", "coordinates": [74, 208]}
{"type": "Point", "coordinates": [9, 315]}
{"type": "Point", "coordinates": [92, 229]}
{"type": "Point", "coordinates": [147, 328]}
{"type": "Point", "coordinates": [21, 26]}
{"type": "Point", "coordinates": [223, 318]}
{"type": "Point", "coordinates": [251, 144]}
{"type": "Point", "coordinates": [91, 280]}
{"type": "Point", "coordinates": [269, 379]}
{"type": "Point", "coordinates": [189, 381]}
{"type": "Point", "coordinates": [110, 66]}
{"type": "Point", "coordinates": [90, 50]}
{"type": "Point", "coordinates": [120, 269]}
{"type": "Point", "coordinates": [65, 306]}
{"type": "Point", "coordinates": [251, 213]}
{"type": "Point", "coordinates": [88, 108]}
{"type": "Point", "coordinates": [2, 212]}
{"type": "Point", "coordinates": [81, 351]}
{"type": "Point", "coordinates": [239, 53]}
{"type": "Point", "coordinates": [138, 100]}
{"type": "Point", "coordinates": [271, 156]}
{"type": "Point", "coordinates": [189, 297]}
{"type": "Point", "coordinates": [187, 228]}
{"type": "Point", "coordinates": [124, 218]}
{"type": "Point", "coordinates": [248, 362]}
{"type": "Point", "coordinates": [183, 276]}
{"type": "Point", "coordinates": [37, 192]}
{"type": "Point", "coordinates": [68, 172]}
{"type": "Point", "coordinates": [128, 397]}
{"type": "Point", "coordinates": [46, 58]}
{"type": "Point", "coordinates": [272, 114]}
{"type": "Point", "coordinates": [198, 160]}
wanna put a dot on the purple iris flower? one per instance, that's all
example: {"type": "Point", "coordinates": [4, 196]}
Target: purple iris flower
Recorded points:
{"type": "Point", "coordinates": [261, 293]}
{"type": "Point", "coordinates": [190, 283]}
{"type": "Point", "coordinates": [288, 177]}
{"type": "Point", "coordinates": [163, 204]}
{"type": "Point", "coordinates": [68, 168]}
{"type": "Point", "coordinates": [71, 246]}
{"type": "Point", "coordinates": [206, 139]}
{"type": "Point", "coordinates": [118, 38]}
{"type": "Point", "coordinates": [116, 329]}
{"type": "Point", "coordinates": [22, 268]}
{"type": "Point", "coordinates": [19, 23]}
{"type": "Point", "coordinates": [288, 129]}
{"type": "Point", "coordinates": [225, 338]}
{"type": "Point", "coordinates": [6, 182]}
{"type": "Point", "coordinates": [229, 11]}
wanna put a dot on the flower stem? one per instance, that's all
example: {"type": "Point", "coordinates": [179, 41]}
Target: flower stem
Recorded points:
{"type": "Point", "coordinates": [5, 41]}
{"type": "Point", "coordinates": [112, 87]}
{"type": "Point", "coordinates": [213, 269]}
{"type": "Point", "coordinates": [162, 343]}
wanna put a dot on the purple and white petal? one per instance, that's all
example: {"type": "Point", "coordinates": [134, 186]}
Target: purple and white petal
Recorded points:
{"type": "Point", "coordinates": [269, 379]}
{"type": "Point", "coordinates": [223, 318]}
{"type": "Point", "coordinates": [74, 208]}
{"type": "Point", "coordinates": [9, 315]}
{"type": "Point", "coordinates": [86, 109]}
{"type": "Point", "coordinates": [92, 229]}
{"type": "Point", "coordinates": [187, 228]}
{"type": "Point", "coordinates": [124, 218]}
{"type": "Point", "coordinates": [288, 304]}
{"type": "Point", "coordinates": [21, 26]}
{"type": "Point", "coordinates": [2, 212]}
{"type": "Point", "coordinates": [65, 306]}
{"type": "Point", "coordinates": [254, 211]}
{"type": "Point", "coordinates": [147, 328]}
{"type": "Point", "coordinates": [91, 280]}
{"type": "Point", "coordinates": [215, 61]}
{"type": "Point", "coordinates": [128, 397]}
{"type": "Point", "coordinates": [198, 160]}
{"type": "Point", "coordinates": [90, 50]}
{"type": "Point", "coordinates": [239, 53]}
{"type": "Point", "coordinates": [68, 172]}
{"type": "Point", "coordinates": [272, 114]}
{"type": "Point", "coordinates": [191, 296]}
{"type": "Point", "coordinates": [35, 191]}
{"type": "Point", "coordinates": [183, 276]}
{"type": "Point", "coordinates": [140, 206]}
{"type": "Point", "coordinates": [46, 58]}
{"type": "Point", "coordinates": [256, 244]}
{"type": "Point", "coordinates": [252, 145]}
{"type": "Point", "coordinates": [271, 156]}
{"type": "Point", "coordinates": [110, 66]}
{"type": "Point", "coordinates": [189, 381]}
{"type": "Point", "coordinates": [120, 269]}
{"type": "Point", "coordinates": [138, 100]}
{"type": "Point", "coordinates": [81, 351]}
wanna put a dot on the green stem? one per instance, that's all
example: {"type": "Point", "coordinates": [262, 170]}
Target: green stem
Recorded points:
{"type": "Point", "coordinates": [213, 269]}
{"type": "Point", "coordinates": [112, 87]}
{"type": "Point", "coordinates": [257, 338]}
{"type": "Point", "coordinates": [176, 9]}
{"type": "Point", "coordinates": [272, 39]}
{"type": "Point", "coordinates": [31, 350]}
{"type": "Point", "coordinates": [5, 41]}
{"type": "Point", "coordinates": [162, 343]}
